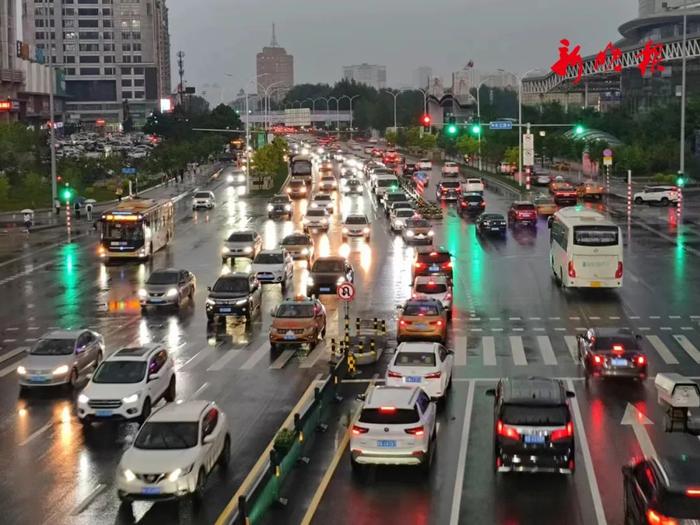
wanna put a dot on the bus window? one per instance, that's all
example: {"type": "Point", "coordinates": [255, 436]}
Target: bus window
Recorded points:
{"type": "Point", "coordinates": [596, 236]}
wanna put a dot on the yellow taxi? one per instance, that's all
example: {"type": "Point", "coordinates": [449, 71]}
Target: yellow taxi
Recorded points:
{"type": "Point", "coordinates": [297, 322]}
{"type": "Point", "coordinates": [422, 319]}
{"type": "Point", "coordinates": [590, 190]}
{"type": "Point", "coordinates": [545, 205]}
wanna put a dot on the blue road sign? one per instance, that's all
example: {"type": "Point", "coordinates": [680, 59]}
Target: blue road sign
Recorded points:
{"type": "Point", "coordinates": [128, 170]}
{"type": "Point", "coordinates": [501, 124]}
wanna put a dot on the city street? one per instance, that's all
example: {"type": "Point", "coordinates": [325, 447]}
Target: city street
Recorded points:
{"type": "Point", "coordinates": [509, 318]}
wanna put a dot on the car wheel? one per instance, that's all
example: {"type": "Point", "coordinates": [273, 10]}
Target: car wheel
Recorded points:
{"type": "Point", "coordinates": [358, 470]}
{"type": "Point", "coordinates": [145, 411]}
{"type": "Point", "coordinates": [170, 392]}
{"type": "Point", "coordinates": [664, 201]}
{"type": "Point", "coordinates": [323, 332]}
{"type": "Point", "coordinates": [98, 359]}
{"type": "Point", "coordinates": [273, 347]}
{"type": "Point", "coordinates": [73, 381]}
{"type": "Point", "coordinates": [210, 318]}
{"type": "Point", "coordinates": [225, 456]}
{"type": "Point", "coordinates": [561, 280]}
{"type": "Point", "coordinates": [198, 493]}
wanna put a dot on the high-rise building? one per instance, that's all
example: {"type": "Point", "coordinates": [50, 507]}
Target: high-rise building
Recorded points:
{"type": "Point", "coordinates": [422, 76]}
{"type": "Point", "coordinates": [11, 77]}
{"type": "Point", "coordinates": [275, 70]}
{"type": "Point", "coordinates": [371, 75]}
{"type": "Point", "coordinates": [113, 54]}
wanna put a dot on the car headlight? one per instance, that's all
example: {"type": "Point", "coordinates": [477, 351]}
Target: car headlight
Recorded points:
{"type": "Point", "coordinates": [431, 233]}
{"type": "Point", "coordinates": [133, 398]}
{"type": "Point", "coordinates": [398, 222]}
{"type": "Point", "coordinates": [309, 281]}
{"type": "Point", "coordinates": [314, 204]}
{"type": "Point", "coordinates": [61, 370]}
{"type": "Point", "coordinates": [248, 249]}
{"type": "Point", "coordinates": [210, 302]}
{"type": "Point", "coordinates": [305, 251]}
{"type": "Point", "coordinates": [241, 302]}
{"type": "Point", "coordinates": [21, 370]}
{"type": "Point", "coordinates": [270, 207]}
{"type": "Point", "coordinates": [340, 280]}
{"type": "Point", "coordinates": [241, 178]}
{"type": "Point", "coordinates": [409, 233]}
{"type": "Point", "coordinates": [324, 221]}
{"type": "Point", "coordinates": [142, 293]}
{"type": "Point", "coordinates": [365, 230]}
{"type": "Point", "coordinates": [345, 230]}
{"type": "Point", "coordinates": [287, 207]}
{"type": "Point", "coordinates": [289, 190]}
{"type": "Point", "coordinates": [225, 250]}
{"type": "Point", "coordinates": [229, 178]}
{"type": "Point", "coordinates": [172, 292]}
{"type": "Point", "coordinates": [82, 398]}
{"type": "Point", "coordinates": [128, 475]}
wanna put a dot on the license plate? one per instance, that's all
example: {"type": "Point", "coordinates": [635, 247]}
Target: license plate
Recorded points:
{"type": "Point", "coordinates": [495, 228]}
{"type": "Point", "coordinates": [596, 284]}
{"type": "Point", "coordinates": [103, 413]}
{"type": "Point", "coordinates": [38, 379]}
{"type": "Point", "coordinates": [421, 326]}
{"type": "Point", "coordinates": [325, 289]}
{"type": "Point", "coordinates": [434, 268]}
{"type": "Point", "coordinates": [225, 310]}
{"type": "Point", "coordinates": [534, 439]}
{"type": "Point", "coordinates": [289, 336]}
{"type": "Point", "coordinates": [156, 300]}
{"type": "Point", "coordinates": [413, 379]}
{"type": "Point", "coordinates": [386, 443]}
{"type": "Point", "coordinates": [619, 362]}
{"type": "Point", "coordinates": [150, 490]}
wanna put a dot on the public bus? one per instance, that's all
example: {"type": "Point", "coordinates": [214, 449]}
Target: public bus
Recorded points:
{"type": "Point", "coordinates": [585, 249]}
{"type": "Point", "coordinates": [300, 167]}
{"type": "Point", "coordinates": [136, 229]}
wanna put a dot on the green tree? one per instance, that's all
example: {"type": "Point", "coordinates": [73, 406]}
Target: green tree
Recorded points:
{"type": "Point", "coordinates": [391, 137]}
{"type": "Point", "coordinates": [428, 142]}
{"type": "Point", "coordinates": [511, 155]}
{"type": "Point", "coordinates": [467, 145]}
{"type": "Point", "coordinates": [4, 189]}
{"type": "Point", "coordinates": [269, 159]}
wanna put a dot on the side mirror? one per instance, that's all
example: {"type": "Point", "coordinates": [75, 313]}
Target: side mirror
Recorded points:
{"type": "Point", "coordinates": [153, 377]}
{"type": "Point", "coordinates": [209, 438]}
{"type": "Point", "coordinates": [491, 392]}
{"type": "Point", "coordinates": [209, 288]}
{"type": "Point", "coordinates": [549, 222]}
{"type": "Point", "coordinates": [360, 397]}
{"type": "Point", "coordinates": [570, 394]}
{"type": "Point", "coordinates": [638, 337]}
{"type": "Point", "coordinates": [399, 307]}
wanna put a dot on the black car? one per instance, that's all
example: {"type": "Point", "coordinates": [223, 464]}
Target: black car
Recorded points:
{"type": "Point", "coordinates": [409, 168]}
{"type": "Point", "coordinates": [612, 352]}
{"type": "Point", "coordinates": [390, 197]}
{"type": "Point", "coordinates": [326, 274]}
{"type": "Point", "coordinates": [279, 206]}
{"type": "Point", "coordinates": [234, 295]}
{"type": "Point", "coordinates": [662, 491]}
{"type": "Point", "coordinates": [432, 261]}
{"type": "Point", "coordinates": [491, 224]}
{"type": "Point", "coordinates": [471, 204]}
{"type": "Point", "coordinates": [533, 428]}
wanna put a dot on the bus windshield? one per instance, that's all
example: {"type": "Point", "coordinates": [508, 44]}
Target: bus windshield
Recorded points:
{"type": "Point", "coordinates": [122, 231]}
{"type": "Point", "coordinates": [596, 236]}
{"type": "Point", "coordinates": [301, 167]}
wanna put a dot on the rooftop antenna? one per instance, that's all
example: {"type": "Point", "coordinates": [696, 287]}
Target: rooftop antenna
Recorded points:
{"type": "Point", "coordinates": [181, 73]}
{"type": "Point", "coordinates": [274, 37]}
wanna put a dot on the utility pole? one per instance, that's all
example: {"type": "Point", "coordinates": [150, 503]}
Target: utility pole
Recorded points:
{"type": "Point", "coordinates": [683, 62]}
{"type": "Point", "coordinates": [181, 73]}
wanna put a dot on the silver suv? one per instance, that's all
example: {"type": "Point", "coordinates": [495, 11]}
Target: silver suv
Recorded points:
{"type": "Point", "coordinates": [246, 243]}
{"type": "Point", "coordinates": [167, 287]}
{"type": "Point", "coordinates": [663, 195]}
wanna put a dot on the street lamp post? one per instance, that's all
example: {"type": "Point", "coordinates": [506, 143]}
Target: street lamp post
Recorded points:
{"type": "Point", "coordinates": [266, 99]}
{"type": "Point", "coordinates": [683, 65]}
{"type": "Point", "coordinates": [319, 98]}
{"type": "Point", "coordinates": [350, 98]}
{"type": "Point", "coordinates": [520, 124]}
{"type": "Point", "coordinates": [395, 95]}
{"type": "Point", "coordinates": [247, 123]}
{"type": "Point", "coordinates": [337, 114]}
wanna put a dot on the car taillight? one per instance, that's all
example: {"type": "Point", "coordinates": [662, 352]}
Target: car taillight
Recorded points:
{"type": "Point", "coordinates": [415, 431]}
{"type": "Point", "coordinates": [356, 430]}
{"type": "Point", "coordinates": [447, 265]}
{"type": "Point", "coordinates": [463, 204]}
{"type": "Point", "coordinates": [507, 431]}
{"type": "Point", "coordinates": [563, 433]}
{"type": "Point", "coordinates": [433, 375]}
{"type": "Point", "coordinates": [402, 322]}
{"type": "Point", "coordinates": [393, 374]}
{"type": "Point", "coordinates": [656, 518]}
{"type": "Point", "coordinates": [597, 360]}
{"type": "Point", "coordinates": [483, 205]}
{"type": "Point", "coordinates": [618, 349]}
{"type": "Point", "coordinates": [572, 270]}
{"type": "Point", "coordinates": [418, 265]}
{"type": "Point", "coordinates": [693, 492]}
{"type": "Point", "coordinates": [640, 360]}
{"type": "Point", "coordinates": [618, 272]}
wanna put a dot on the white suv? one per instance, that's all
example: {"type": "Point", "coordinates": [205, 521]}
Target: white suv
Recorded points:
{"type": "Point", "coordinates": [659, 194]}
{"type": "Point", "coordinates": [274, 266]}
{"type": "Point", "coordinates": [127, 385]}
{"type": "Point", "coordinates": [424, 164]}
{"type": "Point", "coordinates": [428, 365]}
{"type": "Point", "coordinates": [203, 199]}
{"type": "Point", "coordinates": [396, 426]}
{"type": "Point", "coordinates": [450, 169]}
{"type": "Point", "coordinates": [245, 243]}
{"type": "Point", "coordinates": [436, 287]}
{"type": "Point", "coordinates": [174, 452]}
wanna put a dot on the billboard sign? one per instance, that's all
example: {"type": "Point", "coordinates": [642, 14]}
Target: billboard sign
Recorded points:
{"type": "Point", "coordinates": [297, 117]}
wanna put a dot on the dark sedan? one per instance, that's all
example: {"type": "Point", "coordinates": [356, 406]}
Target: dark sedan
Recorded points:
{"type": "Point", "coordinates": [234, 295]}
{"type": "Point", "coordinates": [471, 204]}
{"type": "Point", "coordinates": [327, 273]}
{"type": "Point", "coordinates": [491, 224]}
{"type": "Point", "coordinates": [612, 352]}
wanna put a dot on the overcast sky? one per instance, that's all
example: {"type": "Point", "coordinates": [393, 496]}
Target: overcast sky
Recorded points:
{"type": "Point", "coordinates": [223, 36]}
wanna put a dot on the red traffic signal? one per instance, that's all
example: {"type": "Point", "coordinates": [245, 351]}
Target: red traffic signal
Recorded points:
{"type": "Point", "coordinates": [426, 120]}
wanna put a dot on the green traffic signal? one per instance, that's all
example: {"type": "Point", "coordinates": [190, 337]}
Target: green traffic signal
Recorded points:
{"type": "Point", "coordinates": [452, 129]}
{"type": "Point", "coordinates": [67, 194]}
{"type": "Point", "coordinates": [476, 129]}
{"type": "Point", "coordinates": [578, 130]}
{"type": "Point", "coordinates": [680, 181]}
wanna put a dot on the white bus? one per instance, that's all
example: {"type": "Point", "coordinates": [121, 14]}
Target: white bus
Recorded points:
{"type": "Point", "coordinates": [136, 229]}
{"type": "Point", "coordinates": [585, 249]}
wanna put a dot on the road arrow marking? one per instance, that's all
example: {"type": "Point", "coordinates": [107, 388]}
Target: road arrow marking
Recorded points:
{"type": "Point", "coordinates": [637, 420]}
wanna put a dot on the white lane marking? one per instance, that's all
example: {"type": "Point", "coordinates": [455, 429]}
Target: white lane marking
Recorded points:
{"type": "Point", "coordinates": [535, 318]}
{"type": "Point", "coordinates": [11, 368]}
{"type": "Point", "coordinates": [662, 350]}
{"type": "Point", "coordinates": [555, 318]}
{"type": "Point", "coordinates": [12, 329]}
{"type": "Point", "coordinates": [9, 340]}
{"type": "Point", "coordinates": [614, 317]}
{"type": "Point", "coordinates": [260, 351]}
{"type": "Point", "coordinates": [81, 506]}
{"type": "Point", "coordinates": [36, 434]}
{"type": "Point", "coordinates": [666, 328]}
{"type": "Point", "coordinates": [633, 317]}
{"type": "Point", "coordinates": [572, 345]}
{"type": "Point", "coordinates": [496, 329]}
{"type": "Point", "coordinates": [695, 316]}
{"type": "Point", "coordinates": [32, 328]}
{"type": "Point", "coordinates": [282, 359]}
{"type": "Point", "coordinates": [31, 339]}
{"type": "Point", "coordinates": [674, 316]}
{"type": "Point", "coordinates": [687, 328]}
{"type": "Point", "coordinates": [689, 347]}
{"type": "Point", "coordinates": [518, 351]}
{"type": "Point", "coordinates": [488, 346]}
{"type": "Point", "coordinates": [475, 318]}
{"type": "Point", "coordinates": [546, 350]}
{"type": "Point", "coordinates": [192, 361]}
{"type": "Point", "coordinates": [594, 318]}
{"type": "Point", "coordinates": [228, 356]}
{"type": "Point", "coordinates": [462, 456]}
{"type": "Point", "coordinates": [494, 318]}
{"type": "Point", "coordinates": [514, 319]}
{"type": "Point", "coordinates": [587, 460]}
{"type": "Point", "coordinates": [518, 329]}
{"type": "Point", "coordinates": [654, 317]}
{"type": "Point", "coordinates": [637, 420]}
{"type": "Point", "coordinates": [315, 355]}
{"type": "Point", "coordinates": [475, 330]}
{"type": "Point", "coordinates": [538, 329]}
{"type": "Point", "coordinates": [574, 318]}
{"type": "Point", "coordinates": [460, 350]}
{"type": "Point", "coordinates": [199, 391]}
{"type": "Point", "coordinates": [29, 270]}
{"type": "Point", "coordinates": [559, 329]}
{"type": "Point", "coordinates": [580, 328]}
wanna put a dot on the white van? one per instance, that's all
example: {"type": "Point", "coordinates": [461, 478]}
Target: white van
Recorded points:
{"type": "Point", "coordinates": [385, 183]}
{"type": "Point", "coordinates": [473, 186]}
{"type": "Point", "coordinates": [585, 249]}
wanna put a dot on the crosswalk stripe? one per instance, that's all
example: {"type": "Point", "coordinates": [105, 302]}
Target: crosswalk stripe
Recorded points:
{"type": "Point", "coordinates": [662, 350]}
{"type": "Point", "coordinates": [516, 346]}
{"type": "Point", "coordinates": [282, 359]}
{"type": "Point", "coordinates": [314, 355]}
{"type": "Point", "coordinates": [460, 350]}
{"type": "Point", "coordinates": [488, 345]}
{"type": "Point", "coordinates": [546, 350]}
{"type": "Point", "coordinates": [572, 345]}
{"type": "Point", "coordinates": [260, 351]}
{"type": "Point", "coordinates": [228, 356]}
{"type": "Point", "coordinates": [689, 347]}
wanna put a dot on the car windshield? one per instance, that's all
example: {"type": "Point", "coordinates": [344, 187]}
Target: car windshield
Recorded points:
{"type": "Point", "coordinates": [404, 212]}
{"type": "Point", "coordinates": [296, 240]}
{"type": "Point", "coordinates": [356, 219]}
{"type": "Point", "coordinates": [387, 183]}
{"type": "Point", "coordinates": [120, 372]}
{"type": "Point", "coordinates": [394, 197]}
{"type": "Point", "coordinates": [328, 266]}
{"type": "Point", "coordinates": [536, 415]}
{"type": "Point", "coordinates": [279, 200]}
{"type": "Point", "coordinates": [202, 195]}
{"type": "Point", "coordinates": [418, 223]}
{"type": "Point", "coordinates": [322, 197]}
{"type": "Point", "coordinates": [434, 257]}
{"type": "Point", "coordinates": [53, 347]}
{"type": "Point", "coordinates": [472, 198]}
{"type": "Point", "coordinates": [596, 235]}
{"type": "Point", "coordinates": [607, 343]}
{"type": "Point", "coordinates": [268, 258]}
{"type": "Point", "coordinates": [386, 416]}
{"type": "Point", "coordinates": [301, 167]}
{"type": "Point", "coordinates": [431, 288]}
{"type": "Point", "coordinates": [450, 184]}
{"type": "Point", "coordinates": [122, 231]}
{"type": "Point", "coordinates": [240, 237]}
{"type": "Point", "coordinates": [420, 309]}
{"type": "Point", "coordinates": [353, 182]}
{"type": "Point", "coordinates": [293, 310]}
{"type": "Point", "coordinates": [163, 278]}
{"type": "Point", "coordinates": [231, 285]}
{"type": "Point", "coordinates": [525, 207]}
{"type": "Point", "coordinates": [415, 359]}
{"type": "Point", "coordinates": [492, 217]}
{"type": "Point", "coordinates": [317, 213]}
{"type": "Point", "coordinates": [167, 435]}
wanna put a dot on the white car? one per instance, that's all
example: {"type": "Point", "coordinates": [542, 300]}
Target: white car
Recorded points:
{"type": "Point", "coordinates": [274, 266]}
{"type": "Point", "coordinates": [424, 164]}
{"type": "Point", "coordinates": [396, 426]}
{"type": "Point", "coordinates": [663, 195]}
{"type": "Point", "coordinates": [174, 452]}
{"type": "Point", "coordinates": [436, 287]}
{"type": "Point", "coordinates": [356, 225]}
{"type": "Point", "coordinates": [450, 169]}
{"type": "Point", "coordinates": [236, 177]}
{"type": "Point", "coordinates": [245, 243]}
{"type": "Point", "coordinates": [127, 385]}
{"type": "Point", "coordinates": [328, 183]}
{"type": "Point", "coordinates": [473, 186]}
{"type": "Point", "coordinates": [398, 218]}
{"type": "Point", "coordinates": [316, 220]}
{"type": "Point", "coordinates": [428, 365]}
{"type": "Point", "coordinates": [543, 179]}
{"type": "Point", "coordinates": [203, 199]}
{"type": "Point", "coordinates": [322, 201]}
{"type": "Point", "coordinates": [384, 184]}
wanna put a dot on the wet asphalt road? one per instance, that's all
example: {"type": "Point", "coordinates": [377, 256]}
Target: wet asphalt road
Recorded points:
{"type": "Point", "coordinates": [506, 307]}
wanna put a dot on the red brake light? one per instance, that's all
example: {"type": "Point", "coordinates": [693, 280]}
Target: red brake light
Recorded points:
{"type": "Point", "coordinates": [433, 375]}
{"type": "Point", "coordinates": [387, 410]}
{"type": "Point", "coordinates": [418, 265]}
{"type": "Point", "coordinates": [359, 430]}
{"type": "Point", "coordinates": [393, 374]}
{"type": "Point", "coordinates": [507, 431]}
{"type": "Point", "coordinates": [402, 322]}
{"type": "Point", "coordinates": [641, 361]}
{"type": "Point", "coordinates": [448, 264]}
{"type": "Point", "coordinates": [656, 518]}
{"type": "Point", "coordinates": [439, 323]}
{"type": "Point", "coordinates": [597, 360]}
{"type": "Point", "coordinates": [618, 272]}
{"type": "Point", "coordinates": [563, 433]}
{"type": "Point", "coordinates": [693, 492]}
{"type": "Point", "coordinates": [433, 254]}
{"type": "Point", "coordinates": [572, 270]}
{"type": "Point", "coordinates": [415, 431]}
{"type": "Point", "coordinates": [618, 349]}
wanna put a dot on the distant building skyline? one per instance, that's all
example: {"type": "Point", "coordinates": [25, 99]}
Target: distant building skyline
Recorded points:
{"type": "Point", "coordinates": [368, 74]}
{"type": "Point", "coordinates": [275, 69]}
{"type": "Point", "coordinates": [421, 77]}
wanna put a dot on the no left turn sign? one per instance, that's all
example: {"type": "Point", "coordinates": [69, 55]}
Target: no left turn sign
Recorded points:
{"type": "Point", "coordinates": [346, 292]}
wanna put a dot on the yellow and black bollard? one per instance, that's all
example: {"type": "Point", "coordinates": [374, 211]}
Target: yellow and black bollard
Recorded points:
{"type": "Point", "coordinates": [347, 325]}
{"type": "Point", "coordinates": [372, 346]}
{"type": "Point", "coordinates": [383, 331]}
{"type": "Point", "coordinates": [357, 324]}
{"type": "Point", "coordinates": [352, 370]}
{"type": "Point", "coordinates": [375, 324]}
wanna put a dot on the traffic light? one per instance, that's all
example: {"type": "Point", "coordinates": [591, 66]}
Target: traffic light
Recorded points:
{"type": "Point", "coordinates": [67, 193]}
{"type": "Point", "coordinates": [451, 130]}
{"type": "Point", "coordinates": [426, 120]}
{"type": "Point", "coordinates": [578, 130]}
{"type": "Point", "coordinates": [680, 180]}
{"type": "Point", "coordinates": [476, 129]}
